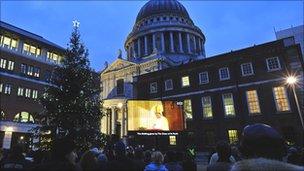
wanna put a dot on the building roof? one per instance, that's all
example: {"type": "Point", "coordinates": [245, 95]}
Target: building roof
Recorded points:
{"type": "Point", "coordinates": [28, 34]}
{"type": "Point", "coordinates": [154, 7]}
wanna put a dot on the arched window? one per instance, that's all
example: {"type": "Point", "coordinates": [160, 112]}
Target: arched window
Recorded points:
{"type": "Point", "coordinates": [24, 117]}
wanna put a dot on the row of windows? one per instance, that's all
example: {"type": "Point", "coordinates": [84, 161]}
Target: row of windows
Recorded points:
{"type": "Point", "coordinates": [25, 92]}
{"type": "Point", "coordinates": [20, 117]}
{"type": "Point", "coordinates": [7, 64]}
{"type": "Point", "coordinates": [30, 70]}
{"type": "Point", "coordinates": [28, 49]}
{"type": "Point", "coordinates": [279, 94]}
{"type": "Point", "coordinates": [273, 64]}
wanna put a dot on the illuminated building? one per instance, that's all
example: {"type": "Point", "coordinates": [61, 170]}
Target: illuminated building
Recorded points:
{"type": "Point", "coordinates": [26, 63]}
{"type": "Point", "coordinates": [163, 36]}
{"type": "Point", "coordinates": [224, 93]}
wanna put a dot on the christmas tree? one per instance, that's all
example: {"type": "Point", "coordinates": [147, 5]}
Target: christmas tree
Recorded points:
{"type": "Point", "coordinates": [72, 105]}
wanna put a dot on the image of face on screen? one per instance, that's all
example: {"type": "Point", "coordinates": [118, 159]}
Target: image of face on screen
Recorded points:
{"type": "Point", "coordinates": [145, 115]}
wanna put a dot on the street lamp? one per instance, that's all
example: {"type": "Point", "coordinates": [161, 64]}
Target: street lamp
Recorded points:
{"type": "Point", "coordinates": [292, 81]}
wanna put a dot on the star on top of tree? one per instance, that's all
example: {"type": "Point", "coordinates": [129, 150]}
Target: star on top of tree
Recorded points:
{"type": "Point", "coordinates": [76, 23]}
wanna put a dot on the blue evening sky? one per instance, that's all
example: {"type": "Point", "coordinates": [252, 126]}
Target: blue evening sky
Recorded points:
{"type": "Point", "coordinates": [227, 25]}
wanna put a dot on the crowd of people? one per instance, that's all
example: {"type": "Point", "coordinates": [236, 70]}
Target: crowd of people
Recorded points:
{"type": "Point", "coordinates": [261, 148]}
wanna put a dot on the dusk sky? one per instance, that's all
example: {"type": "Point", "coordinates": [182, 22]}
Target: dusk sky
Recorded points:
{"type": "Point", "coordinates": [104, 25]}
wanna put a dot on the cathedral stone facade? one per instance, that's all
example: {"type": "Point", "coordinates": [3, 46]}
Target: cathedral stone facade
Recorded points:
{"type": "Point", "coordinates": [163, 36]}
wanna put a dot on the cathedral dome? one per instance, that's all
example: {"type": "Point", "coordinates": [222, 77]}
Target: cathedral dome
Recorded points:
{"type": "Point", "coordinates": [155, 7]}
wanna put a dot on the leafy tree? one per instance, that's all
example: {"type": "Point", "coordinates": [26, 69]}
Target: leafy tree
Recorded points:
{"type": "Point", "coordinates": [72, 105]}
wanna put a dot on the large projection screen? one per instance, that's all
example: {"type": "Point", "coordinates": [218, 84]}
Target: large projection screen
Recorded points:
{"type": "Point", "coordinates": [148, 115]}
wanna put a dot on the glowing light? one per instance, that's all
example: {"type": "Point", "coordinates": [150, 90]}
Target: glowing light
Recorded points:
{"type": "Point", "coordinates": [22, 137]}
{"type": "Point", "coordinates": [291, 80]}
{"type": "Point", "coordinates": [9, 129]}
{"type": "Point", "coordinates": [119, 105]}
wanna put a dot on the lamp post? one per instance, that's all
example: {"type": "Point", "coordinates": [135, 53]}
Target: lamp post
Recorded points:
{"type": "Point", "coordinates": [292, 80]}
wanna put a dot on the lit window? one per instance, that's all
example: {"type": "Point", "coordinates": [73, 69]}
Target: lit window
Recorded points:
{"type": "Point", "coordinates": [233, 136]}
{"type": "Point", "coordinates": [228, 104]}
{"type": "Point", "coordinates": [203, 77]}
{"type": "Point", "coordinates": [207, 107]}
{"type": "Point", "coordinates": [53, 57]}
{"type": "Point", "coordinates": [14, 44]}
{"type": "Point", "coordinates": [36, 72]}
{"type": "Point", "coordinates": [168, 85]}
{"type": "Point", "coordinates": [224, 74]}
{"type": "Point", "coordinates": [26, 48]}
{"type": "Point", "coordinates": [27, 92]}
{"type": "Point", "coordinates": [23, 68]}
{"type": "Point", "coordinates": [7, 89]}
{"type": "Point", "coordinates": [185, 81]}
{"type": "Point", "coordinates": [188, 109]}
{"type": "Point", "coordinates": [31, 50]}
{"type": "Point", "coordinates": [281, 99]}
{"type": "Point", "coordinates": [246, 69]}
{"type": "Point", "coordinates": [1, 87]}
{"type": "Point", "coordinates": [7, 42]}
{"type": "Point", "coordinates": [35, 94]}
{"type": "Point", "coordinates": [253, 102]}
{"type": "Point", "coordinates": [30, 70]}
{"type": "Point", "coordinates": [172, 140]}
{"type": "Point", "coordinates": [11, 65]}
{"type": "Point", "coordinates": [3, 63]}
{"type": "Point", "coordinates": [24, 117]}
{"type": "Point", "coordinates": [20, 91]}
{"type": "Point", "coordinates": [153, 87]}
{"type": "Point", "coordinates": [273, 64]}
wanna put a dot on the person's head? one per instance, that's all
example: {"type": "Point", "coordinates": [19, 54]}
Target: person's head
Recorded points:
{"type": "Point", "coordinates": [102, 158]}
{"type": "Point", "coordinates": [157, 157]}
{"type": "Point", "coordinates": [147, 156]}
{"type": "Point", "coordinates": [261, 140]}
{"type": "Point", "coordinates": [223, 150]}
{"type": "Point", "coordinates": [158, 110]}
{"type": "Point", "coordinates": [64, 148]}
{"type": "Point", "coordinates": [88, 161]}
{"type": "Point", "coordinates": [119, 149]}
{"type": "Point", "coordinates": [138, 153]}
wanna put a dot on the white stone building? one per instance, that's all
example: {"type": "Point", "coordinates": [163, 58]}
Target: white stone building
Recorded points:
{"type": "Point", "coordinates": [163, 36]}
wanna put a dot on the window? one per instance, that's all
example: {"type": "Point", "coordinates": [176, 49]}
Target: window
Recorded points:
{"type": "Point", "coordinates": [10, 65]}
{"type": "Point", "coordinates": [228, 104]}
{"type": "Point", "coordinates": [172, 140]}
{"type": "Point", "coordinates": [232, 136]}
{"type": "Point", "coordinates": [207, 107]}
{"type": "Point", "coordinates": [7, 89]}
{"type": "Point", "coordinates": [153, 87]}
{"type": "Point", "coordinates": [185, 81]}
{"type": "Point", "coordinates": [3, 63]}
{"type": "Point", "coordinates": [23, 68]}
{"type": "Point", "coordinates": [24, 117]}
{"type": "Point", "coordinates": [53, 57]}
{"type": "Point", "coordinates": [203, 77]}
{"type": "Point", "coordinates": [281, 99]}
{"type": "Point", "coordinates": [8, 42]}
{"type": "Point", "coordinates": [168, 84]}
{"type": "Point", "coordinates": [273, 64]}
{"type": "Point", "coordinates": [253, 102]}
{"type": "Point", "coordinates": [1, 87]}
{"type": "Point", "coordinates": [30, 70]}
{"type": "Point", "coordinates": [27, 92]}
{"type": "Point", "coordinates": [20, 91]}
{"type": "Point", "coordinates": [35, 94]}
{"type": "Point", "coordinates": [120, 87]}
{"type": "Point", "coordinates": [188, 109]}
{"type": "Point", "coordinates": [31, 50]}
{"type": "Point", "coordinates": [224, 74]}
{"type": "Point", "coordinates": [101, 86]}
{"type": "Point", "coordinates": [247, 69]}
{"type": "Point", "coordinates": [36, 72]}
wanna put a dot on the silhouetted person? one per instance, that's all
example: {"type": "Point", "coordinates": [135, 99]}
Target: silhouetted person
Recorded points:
{"type": "Point", "coordinates": [120, 162]}
{"type": "Point", "coordinates": [223, 162]}
{"type": "Point", "coordinates": [15, 159]}
{"type": "Point", "coordinates": [88, 161]}
{"type": "Point", "coordinates": [139, 159]}
{"type": "Point", "coordinates": [171, 162]}
{"type": "Point", "coordinates": [63, 156]}
{"type": "Point", "coordinates": [156, 164]}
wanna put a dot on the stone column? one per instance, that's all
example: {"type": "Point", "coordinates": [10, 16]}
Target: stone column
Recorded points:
{"type": "Point", "coordinates": [146, 45]}
{"type": "Point", "coordinates": [7, 139]}
{"type": "Point", "coordinates": [138, 47]}
{"type": "Point", "coordinates": [194, 40]}
{"type": "Point", "coordinates": [163, 41]}
{"type": "Point", "coordinates": [113, 120]}
{"type": "Point", "coordinates": [133, 49]}
{"type": "Point", "coordinates": [188, 43]}
{"type": "Point", "coordinates": [153, 41]}
{"type": "Point", "coordinates": [171, 42]}
{"type": "Point", "coordinates": [200, 46]}
{"type": "Point", "coordinates": [180, 41]}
